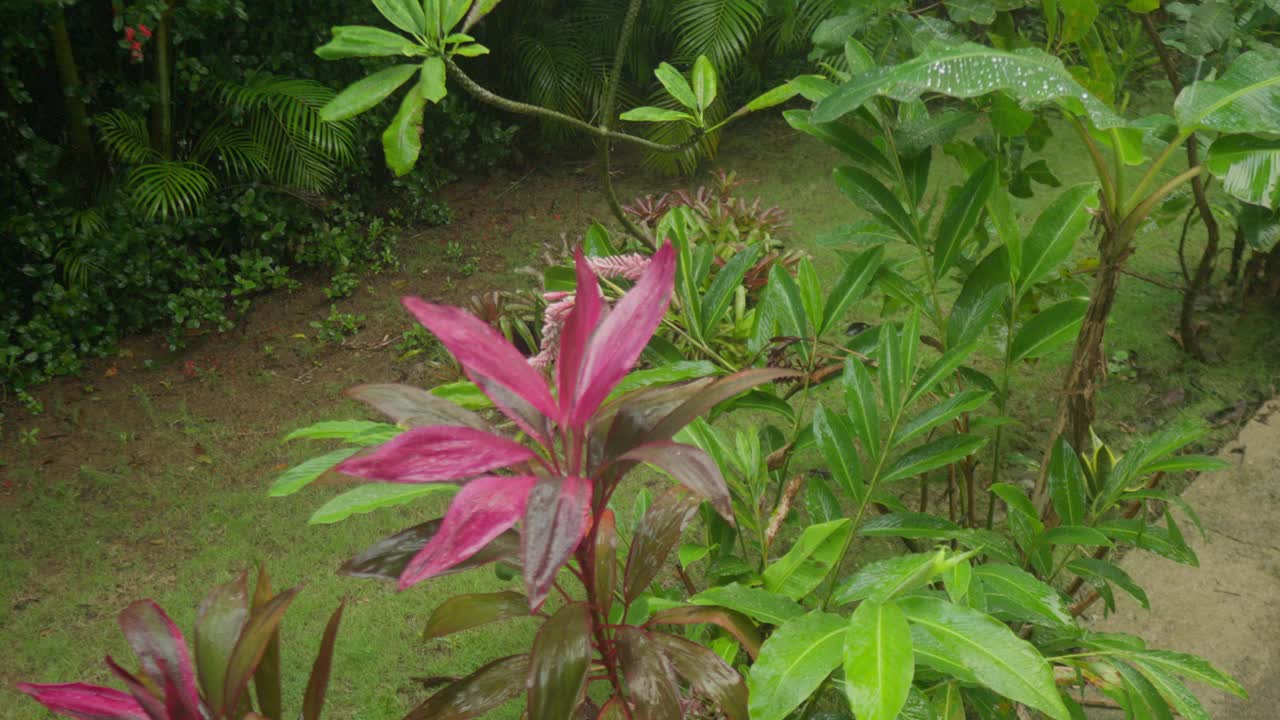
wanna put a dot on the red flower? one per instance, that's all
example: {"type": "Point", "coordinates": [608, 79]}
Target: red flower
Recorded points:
{"type": "Point", "coordinates": [146, 31]}
{"type": "Point", "coordinates": [128, 34]}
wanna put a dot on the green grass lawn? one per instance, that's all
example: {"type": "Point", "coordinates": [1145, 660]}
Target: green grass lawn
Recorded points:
{"type": "Point", "coordinates": [154, 484]}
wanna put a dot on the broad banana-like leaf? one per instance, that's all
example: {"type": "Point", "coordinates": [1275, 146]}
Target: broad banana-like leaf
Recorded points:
{"type": "Point", "coordinates": [1246, 99]}
{"type": "Point", "coordinates": [1030, 76]}
{"type": "Point", "coordinates": [1249, 168]}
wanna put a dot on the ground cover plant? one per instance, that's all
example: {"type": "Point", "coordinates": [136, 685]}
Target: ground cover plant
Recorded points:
{"type": "Point", "coordinates": [745, 588]}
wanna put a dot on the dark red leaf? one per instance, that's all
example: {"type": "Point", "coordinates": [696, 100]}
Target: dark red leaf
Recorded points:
{"type": "Point", "coordinates": [219, 620]}
{"type": "Point", "coordinates": [258, 633]}
{"type": "Point", "coordinates": [163, 652]}
{"type": "Point", "coordinates": [625, 420]}
{"type": "Point", "coordinates": [477, 693]}
{"type": "Point", "coordinates": [558, 664]}
{"type": "Point", "coordinates": [462, 612]}
{"type": "Point", "coordinates": [387, 559]}
{"type": "Point", "coordinates": [88, 702]}
{"type": "Point", "coordinates": [266, 676]}
{"type": "Point", "coordinates": [734, 622]}
{"type": "Point", "coordinates": [710, 396]}
{"type": "Point", "coordinates": [690, 466]}
{"type": "Point", "coordinates": [556, 517]}
{"type": "Point", "coordinates": [658, 532]}
{"type": "Point", "coordinates": [318, 682]}
{"type": "Point", "coordinates": [707, 672]}
{"type": "Point", "coordinates": [651, 685]}
{"type": "Point", "coordinates": [414, 407]}
{"type": "Point", "coordinates": [605, 562]}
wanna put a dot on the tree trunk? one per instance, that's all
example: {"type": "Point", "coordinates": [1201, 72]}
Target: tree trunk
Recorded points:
{"type": "Point", "coordinates": [1237, 255]}
{"type": "Point", "coordinates": [162, 111]}
{"type": "Point", "coordinates": [69, 78]}
{"type": "Point", "coordinates": [1088, 357]}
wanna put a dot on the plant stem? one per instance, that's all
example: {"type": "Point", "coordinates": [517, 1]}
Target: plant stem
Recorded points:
{"type": "Point", "coordinates": [606, 115]}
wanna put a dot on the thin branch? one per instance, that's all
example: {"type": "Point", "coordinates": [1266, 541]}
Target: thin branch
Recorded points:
{"type": "Point", "coordinates": [1154, 281]}
{"type": "Point", "coordinates": [606, 114]}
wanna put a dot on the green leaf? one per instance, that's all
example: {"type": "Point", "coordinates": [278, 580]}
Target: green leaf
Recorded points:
{"type": "Point", "coordinates": [841, 137]}
{"type": "Point", "coordinates": [967, 70]}
{"type": "Point", "coordinates": [464, 394]}
{"type": "Point", "coordinates": [404, 14]}
{"type": "Point", "coordinates": [364, 94]}
{"type": "Point", "coordinates": [871, 195]}
{"type": "Point", "coordinates": [1050, 329]}
{"type": "Point", "coordinates": [1100, 572]}
{"type": "Point", "coordinates": [809, 560]}
{"type": "Point", "coordinates": [833, 434]}
{"type": "Point", "coordinates": [704, 83]}
{"type": "Point", "coordinates": [1018, 595]}
{"type": "Point", "coordinates": [452, 12]}
{"type": "Point", "coordinates": [373, 496]}
{"type": "Point", "coordinates": [558, 664]}
{"type": "Point", "coordinates": [1075, 535]}
{"type": "Point", "coordinates": [716, 301]}
{"type": "Point", "coordinates": [1249, 168]}
{"type": "Point", "coordinates": [961, 214]}
{"type": "Point", "coordinates": [1172, 690]}
{"type": "Point", "coordinates": [878, 661]}
{"type": "Point", "coordinates": [851, 287]}
{"type": "Point", "coordinates": [1151, 538]}
{"type": "Point", "coordinates": [980, 298]}
{"type": "Point", "coordinates": [253, 644]}
{"type": "Point", "coordinates": [433, 86]}
{"type": "Point", "coordinates": [884, 580]}
{"type": "Point", "coordinates": [772, 97]}
{"type": "Point", "coordinates": [463, 612]}
{"type": "Point", "coordinates": [676, 86]}
{"type": "Point", "coordinates": [362, 432]}
{"type": "Point", "coordinates": [990, 651]}
{"type": "Point", "coordinates": [1243, 100]}
{"type": "Point", "coordinates": [471, 50]}
{"type": "Point", "coordinates": [1066, 483]}
{"type": "Point", "coordinates": [655, 114]}
{"type": "Point", "coordinates": [793, 662]}
{"type": "Point", "coordinates": [402, 140]}
{"type": "Point", "coordinates": [810, 293]}
{"type": "Point", "coordinates": [306, 472]}
{"type": "Point", "coordinates": [787, 292]}
{"type": "Point", "coordinates": [219, 620]}
{"type": "Point", "coordinates": [757, 604]}
{"type": "Point", "coordinates": [1193, 667]}
{"type": "Point", "coordinates": [862, 406]}
{"type": "Point", "coordinates": [363, 41]}
{"type": "Point", "coordinates": [940, 370]}
{"type": "Point", "coordinates": [909, 525]}
{"type": "Point", "coordinates": [664, 375]}
{"type": "Point", "coordinates": [932, 455]}
{"type": "Point", "coordinates": [944, 412]}
{"type": "Point", "coordinates": [1054, 234]}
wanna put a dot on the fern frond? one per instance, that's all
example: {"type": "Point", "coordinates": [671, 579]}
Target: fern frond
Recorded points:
{"type": "Point", "coordinates": [125, 136]}
{"type": "Point", "coordinates": [170, 187]}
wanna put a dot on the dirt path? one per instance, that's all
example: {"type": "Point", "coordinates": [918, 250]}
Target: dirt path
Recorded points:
{"type": "Point", "coordinates": [1228, 609]}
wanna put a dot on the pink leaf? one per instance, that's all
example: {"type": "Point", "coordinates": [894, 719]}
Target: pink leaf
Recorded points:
{"type": "Point", "coordinates": [435, 454]}
{"type": "Point", "coordinates": [163, 652]}
{"type": "Point", "coordinates": [491, 362]}
{"type": "Point", "coordinates": [618, 342]}
{"type": "Point", "coordinates": [557, 517]}
{"type": "Point", "coordinates": [86, 702]}
{"type": "Point", "coordinates": [152, 705]}
{"type": "Point", "coordinates": [481, 511]}
{"type": "Point", "coordinates": [577, 333]}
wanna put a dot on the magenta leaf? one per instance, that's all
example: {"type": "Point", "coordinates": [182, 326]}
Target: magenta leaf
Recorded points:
{"type": "Point", "coordinates": [691, 467]}
{"type": "Point", "coordinates": [387, 559]}
{"type": "Point", "coordinates": [414, 407]}
{"type": "Point", "coordinates": [490, 361]}
{"type": "Point", "coordinates": [481, 511]}
{"type": "Point", "coordinates": [153, 706]}
{"type": "Point", "coordinates": [558, 664]}
{"type": "Point", "coordinates": [656, 535]}
{"type": "Point", "coordinates": [651, 685]}
{"type": "Point", "coordinates": [574, 338]}
{"type": "Point", "coordinates": [476, 694]}
{"type": "Point", "coordinates": [163, 652]}
{"type": "Point", "coordinates": [86, 702]}
{"type": "Point", "coordinates": [556, 519]}
{"type": "Point", "coordinates": [621, 423]}
{"type": "Point", "coordinates": [618, 341]}
{"type": "Point", "coordinates": [435, 454]}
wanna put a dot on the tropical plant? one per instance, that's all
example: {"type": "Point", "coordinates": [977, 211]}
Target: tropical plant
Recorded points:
{"type": "Point", "coordinates": [237, 641]}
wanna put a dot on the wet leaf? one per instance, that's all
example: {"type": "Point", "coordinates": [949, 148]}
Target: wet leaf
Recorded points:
{"type": "Point", "coordinates": [463, 612]}
{"type": "Point", "coordinates": [558, 664]}
{"type": "Point", "coordinates": [557, 515]}
{"type": "Point", "coordinates": [658, 533]}
{"type": "Point", "coordinates": [219, 620]}
{"type": "Point", "coordinates": [793, 662]}
{"type": "Point", "coordinates": [733, 622]}
{"type": "Point", "coordinates": [387, 559]}
{"type": "Point", "coordinates": [707, 672]}
{"type": "Point", "coordinates": [651, 686]}
{"type": "Point", "coordinates": [476, 694]}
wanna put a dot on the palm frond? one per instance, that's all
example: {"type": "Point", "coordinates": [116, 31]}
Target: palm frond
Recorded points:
{"type": "Point", "coordinates": [236, 147]}
{"type": "Point", "coordinates": [557, 72]}
{"type": "Point", "coordinates": [791, 31]}
{"type": "Point", "coordinates": [720, 29]}
{"type": "Point", "coordinates": [170, 187]}
{"type": "Point", "coordinates": [125, 136]}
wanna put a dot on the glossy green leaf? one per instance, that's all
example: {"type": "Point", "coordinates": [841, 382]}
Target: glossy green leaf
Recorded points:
{"type": "Point", "coordinates": [1031, 76]}
{"type": "Point", "coordinates": [656, 536]}
{"type": "Point", "coordinates": [716, 301]}
{"type": "Point", "coordinates": [676, 85]}
{"type": "Point", "coordinates": [476, 694]}
{"type": "Point", "coordinates": [878, 661]}
{"type": "Point", "coordinates": [793, 662]}
{"type": "Point", "coordinates": [219, 619]}
{"type": "Point", "coordinates": [1243, 100]}
{"type": "Point", "coordinates": [306, 472]}
{"type": "Point", "coordinates": [811, 293]}
{"type": "Point", "coordinates": [884, 580]}
{"type": "Point", "coordinates": [655, 114]}
{"type": "Point", "coordinates": [402, 140]}
{"type": "Point", "coordinates": [704, 83]}
{"type": "Point", "coordinates": [842, 137]}
{"type": "Point", "coordinates": [834, 434]}
{"type": "Point", "coordinates": [960, 216]}
{"type": "Point", "coordinates": [1049, 330]}
{"type": "Point", "coordinates": [990, 651]}
{"type": "Point", "coordinates": [1018, 595]}
{"type": "Point", "coordinates": [1076, 535]}
{"type": "Point", "coordinates": [352, 431]}
{"type": "Point", "coordinates": [463, 612]}
{"type": "Point", "coordinates": [373, 496]}
{"type": "Point", "coordinates": [1248, 167]}
{"type": "Point", "coordinates": [362, 41]}
{"type": "Point", "coordinates": [944, 412]}
{"type": "Point", "coordinates": [1054, 234]}
{"type": "Point", "coordinates": [1152, 538]}
{"type": "Point", "coordinates": [1067, 486]}
{"type": "Point", "coordinates": [803, 568]}
{"type": "Point", "coordinates": [851, 286]}
{"type": "Point", "coordinates": [932, 455]}
{"type": "Point", "coordinates": [404, 14]}
{"type": "Point", "coordinates": [862, 406]}
{"type": "Point", "coordinates": [786, 291]}
{"type": "Point", "coordinates": [909, 525]}
{"type": "Point", "coordinates": [558, 664]}
{"type": "Point", "coordinates": [366, 93]}
{"type": "Point", "coordinates": [756, 603]}
{"type": "Point", "coordinates": [772, 97]}
{"type": "Point", "coordinates": [433, 82]}
{"type": "Point", "coordinates": [1098, 572]}
{"type": "Point", "coordinates": [872, 196]}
